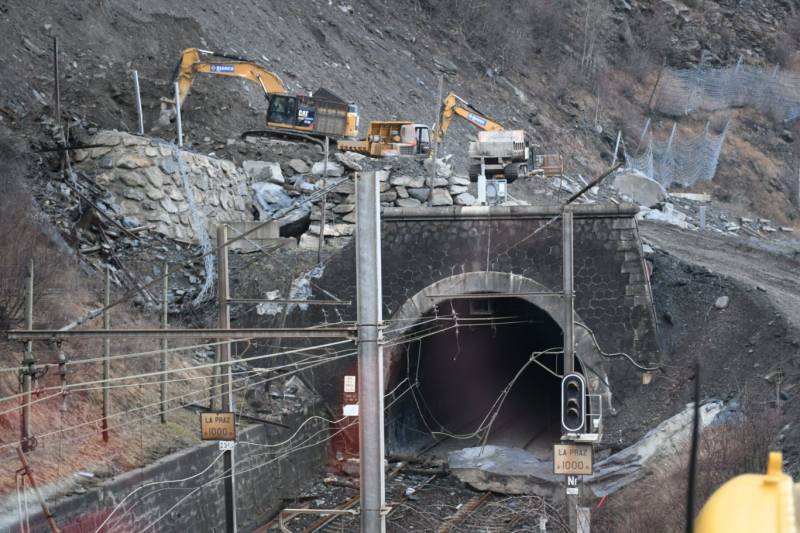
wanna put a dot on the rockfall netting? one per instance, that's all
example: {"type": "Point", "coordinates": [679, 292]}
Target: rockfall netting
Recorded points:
{"type": "Point", "coordinates": [772, 91]}
{"type": "Point", "coordinates": [678, 160]}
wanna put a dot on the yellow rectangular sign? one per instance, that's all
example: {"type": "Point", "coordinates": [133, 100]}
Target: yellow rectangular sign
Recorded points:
{"type": "Point", "coordinates": [572, 459]}
{"type": "Point", "coordinates": [217, 426]}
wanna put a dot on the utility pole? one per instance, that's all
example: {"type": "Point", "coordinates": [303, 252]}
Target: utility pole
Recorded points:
{"type": "Point", "coordinates": [370, 353]}
{"type": "Point", "coordinates": [225, 358]}
{"type": "Point", "coordinates": [164, 342]}
{"type": "Point", "coordinates": [106, 354]}
{"type": "Point", "coordinates": [324, 204]}
{"type": "Point", "coordinates": [569, 330]}
{"type": "Point", "coordinates": [435, 147]}
{"type": "Point", "coordinates": [569, 296]}
{"type": "Point", "coordinates": [28, 368]}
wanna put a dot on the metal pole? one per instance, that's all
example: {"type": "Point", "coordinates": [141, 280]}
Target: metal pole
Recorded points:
{"type": "Point", "coordinates": [178, 114]}
{"type": "Point", "coordinates": [435, 147]}
{"type": "Point", "coordinates": [138, 101]}
{"type": "Point", "coordinates": [56, 77]}
{"type": "Point", "coordinates": [164, 342]}
{"type": "Point", "coordinates": [370, 353]}
{"type": "Point", "coordinates": [324, 203]}
{"type": "Point", "coordinates": [641, 137]}
{"type": "Point", "coordinates": [569, 330]}
{"type": "Point", "coordinates": [569, 296]}
{"type": "Point", "coordinates": [106, 355]}
{"type": "Point", "coordinates": [227, 389]}
{"type": "Point", "coordinates": [45, 510]}
{"type": "Point", "coordinates": [616, 148]}
{"type": "Point", "coordinates": [27, 365]}
{"type": "Point", "coordinates": [650, 101]}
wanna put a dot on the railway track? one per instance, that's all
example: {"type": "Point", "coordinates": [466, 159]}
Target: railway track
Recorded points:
{"type": "Point", "coordinates": [420, 499]}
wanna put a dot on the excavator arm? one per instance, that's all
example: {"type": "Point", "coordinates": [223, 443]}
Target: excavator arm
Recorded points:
{"type": "Point", "coordinates": [194, 61]}
{"type": "Point", "coordinates": [453, 106]}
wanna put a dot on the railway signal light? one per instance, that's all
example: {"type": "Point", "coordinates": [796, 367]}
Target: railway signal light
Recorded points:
{"type": "Point", "coordinates": [573, 403]}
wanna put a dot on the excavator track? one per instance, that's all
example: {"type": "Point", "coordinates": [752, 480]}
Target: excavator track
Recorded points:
{"type": "Point", "coordinates": [287, 134]}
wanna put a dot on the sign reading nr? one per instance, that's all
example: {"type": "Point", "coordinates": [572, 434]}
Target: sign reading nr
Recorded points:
{"type": "Point", "coordinates": [217, 426]}
{"type": "Point", "coordinates": [572, 459]}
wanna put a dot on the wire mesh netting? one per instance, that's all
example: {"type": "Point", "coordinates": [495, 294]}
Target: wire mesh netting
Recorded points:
{"type": "Point", "coordinates": [675, 160]}
{"type": "Point", "coordinates": [199, 227]}
{"type": "Point", "coordinates": [680, 92]}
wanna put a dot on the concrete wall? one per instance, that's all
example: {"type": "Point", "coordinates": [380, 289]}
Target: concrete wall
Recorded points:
{"type": "Point", "coordinates": [422, 246]}
{"type": "Point", "coordinates": [262, 483]}
{"type": "Point", "coordinates": [142, 179]}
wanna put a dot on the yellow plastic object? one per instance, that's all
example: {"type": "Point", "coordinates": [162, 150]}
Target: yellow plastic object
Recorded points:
{"type": "Point", "coordinates": [751, 503]}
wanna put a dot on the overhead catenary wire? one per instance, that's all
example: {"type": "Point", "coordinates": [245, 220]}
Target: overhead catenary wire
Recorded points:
{"type": "Point", "coordinates": [184, 369]}
{"type": "Point", "coordinates": [243, 471]}
{"type": "Point", "coordinates": [391, 341]}
{"type": "Point", "coordinates": [175, 398]}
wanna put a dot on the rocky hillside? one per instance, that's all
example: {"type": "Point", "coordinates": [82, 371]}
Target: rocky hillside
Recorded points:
{"type": "Point", "coordinates": [572, 73]}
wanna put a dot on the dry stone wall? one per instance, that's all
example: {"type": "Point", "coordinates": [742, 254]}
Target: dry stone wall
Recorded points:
{"type": "Point", "coordinates": [142, 180]}
{"type": "Point", "coordinates": [143, 185]}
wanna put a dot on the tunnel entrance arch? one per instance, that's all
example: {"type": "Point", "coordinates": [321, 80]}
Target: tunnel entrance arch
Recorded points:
{"type": "Point", "coordinates": [468, 347]}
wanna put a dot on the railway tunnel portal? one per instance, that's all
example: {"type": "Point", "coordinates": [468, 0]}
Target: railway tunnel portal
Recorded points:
{"type": "Point", "coordinates": [473, 312]}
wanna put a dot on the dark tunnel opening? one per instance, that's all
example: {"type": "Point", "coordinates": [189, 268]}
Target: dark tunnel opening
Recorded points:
{"type": "Point", "coordinates": [460, 359]}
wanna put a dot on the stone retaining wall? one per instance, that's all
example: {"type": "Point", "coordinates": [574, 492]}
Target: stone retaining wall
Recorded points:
{"type": "Point", "coordinates": [264, 481]}
{"type": "Point", "coordinates": [142, 177]}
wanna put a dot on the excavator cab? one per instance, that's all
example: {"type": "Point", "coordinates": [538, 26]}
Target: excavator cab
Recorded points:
{"type": "Point", "coordinates": [282, 109]}
{"type": "Point", "coordinates": [419, 135]}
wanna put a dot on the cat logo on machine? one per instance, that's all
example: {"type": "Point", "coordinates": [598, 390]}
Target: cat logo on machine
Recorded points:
{"type": "Point", "coordinates": [222, 68]}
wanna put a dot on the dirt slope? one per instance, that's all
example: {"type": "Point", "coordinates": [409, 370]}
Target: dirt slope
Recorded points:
{"type": "Point", "coordinates": [768, 266]}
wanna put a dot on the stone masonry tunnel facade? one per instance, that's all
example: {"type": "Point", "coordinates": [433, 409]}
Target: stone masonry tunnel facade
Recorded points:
{"type": "Point", "coordinates": [470, 292]}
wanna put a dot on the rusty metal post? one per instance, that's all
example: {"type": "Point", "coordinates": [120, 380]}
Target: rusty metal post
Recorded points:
{"type": "Point", "coordinates": [28, 365]}
{"type": "Point", "coordinates": [225, 368]}
{"type": "Point", "coordinates": [435, 147]}
{"type": "Point", "coordinates": [650, 101]}
{"type": "Point", "coordinates": [26, 470]}
{"type": "Point", "coordinates": [106, 354]}
{"type": "Point", "coordinates": [164, 343]}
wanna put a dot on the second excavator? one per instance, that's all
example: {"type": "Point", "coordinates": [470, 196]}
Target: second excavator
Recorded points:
{"type": "Point", "coordinates": [322, 114]}
{"type": "Point", "coordinates": [498, 151]}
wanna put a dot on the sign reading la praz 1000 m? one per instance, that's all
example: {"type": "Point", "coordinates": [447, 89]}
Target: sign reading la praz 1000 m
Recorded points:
{"type": "Point", "coordinates": [217, 426]}
{"type": "Point", "coordinates": [572, 459]}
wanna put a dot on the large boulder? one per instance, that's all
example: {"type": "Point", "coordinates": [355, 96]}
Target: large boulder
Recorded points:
{"type": "Point", "coordinates": [441, 198]}
{"type": "Point", "coordinates": [334, 169]}
{"type": "Point", "coordinates": [299, 166]}
{"type": "Point", "coordinates": [263, 171]}
{"type": "Point", "coordinates": [639, 188]}
{"type": "Point", "coordinates": [350, 160]}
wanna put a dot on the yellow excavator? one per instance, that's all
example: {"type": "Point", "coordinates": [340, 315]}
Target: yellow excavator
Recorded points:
{"type": "Point", "coordinates": [391, 138]}
{"type": "Point", "coordinates": [320, 115]}
{"type": "Point", "coordinates": [497, 151]}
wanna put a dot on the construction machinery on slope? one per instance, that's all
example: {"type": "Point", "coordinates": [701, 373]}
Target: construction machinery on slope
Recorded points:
{"type": "Point", "coordinates": [322, 114]}
{"type": "Point", "coordinates": [391, 138]}
{"type": "Point", "coordinates": [498, 151]}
